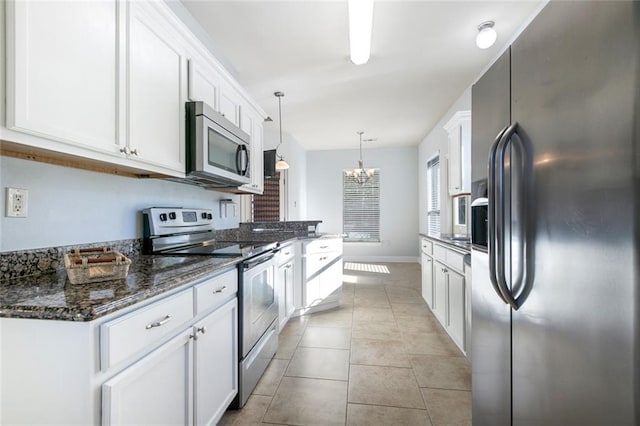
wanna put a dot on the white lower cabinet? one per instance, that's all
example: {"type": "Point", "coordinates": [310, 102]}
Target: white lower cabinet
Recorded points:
{"type": "Point", "coordinates": [193, 377]}
{"type": "Point", "coordinates": [440, 293]}
{"type": "Point", "coordinates": [285, 282]}
{"type": "Point", "coordinates": [444, 290]}
{"type": "Point", "coordinates": [456, 308]}
{"type": "Point", "coordinates": [155, 390]}
{"type": "Point", "coordinates": [427, 279]}
{"type": "Point", "coordinates": [216, 363]}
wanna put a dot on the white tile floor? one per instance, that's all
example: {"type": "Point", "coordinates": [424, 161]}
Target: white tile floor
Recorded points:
{"type": "Point", "coordinates": [381, 358]}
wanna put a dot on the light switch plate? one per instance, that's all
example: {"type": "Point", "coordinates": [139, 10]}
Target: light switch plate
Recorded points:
{"type": "Point", "coordinates": [16, 202]}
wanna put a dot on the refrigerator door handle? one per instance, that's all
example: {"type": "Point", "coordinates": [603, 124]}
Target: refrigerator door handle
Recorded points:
{"type": "Point", "coordinates": [491, 215]}
{"type": "Point", "coordinates": [501, 150]}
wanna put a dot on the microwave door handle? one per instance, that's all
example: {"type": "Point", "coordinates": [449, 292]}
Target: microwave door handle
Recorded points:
{"type": "Point", "coordinates": [242, 160]}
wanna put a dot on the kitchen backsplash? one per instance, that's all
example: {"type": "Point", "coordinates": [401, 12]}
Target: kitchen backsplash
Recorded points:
{"type": "Point", "coordinates": [265, 231]}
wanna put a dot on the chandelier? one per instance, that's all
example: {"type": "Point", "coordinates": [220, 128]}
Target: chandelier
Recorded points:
{"type": "Point", "coordinates": [360, 174]}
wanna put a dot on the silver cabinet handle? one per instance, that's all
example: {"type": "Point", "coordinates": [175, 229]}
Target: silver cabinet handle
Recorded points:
{"type": "Point", "coordinates": [287, 266]}
{"type": "Point", "coordinates": [124, 150]}
{"type": "Point", "coordinates": [162, 322]}
{"type": "Point", "coordinates": [134, 152]}
{"type": "Point", "coordinates": [202, 330]}
{"type": "Point", "coordinates": [220, 290]}
{"type": "Point", "coordinates": [324, 247]}
{"type": "Point", "coordinates": [323, 258]}
{"type": "Point", "coordinates": [445, 270]}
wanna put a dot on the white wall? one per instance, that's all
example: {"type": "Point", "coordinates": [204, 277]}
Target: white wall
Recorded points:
{"type": "Point", "coordinates": [437, 141]}
{"type": "Point", "coordinates": [295, 154]}
{"type": "Point", "coordinates": [73, 206]}
{"type": "Point", "coordinates": [398, 201]}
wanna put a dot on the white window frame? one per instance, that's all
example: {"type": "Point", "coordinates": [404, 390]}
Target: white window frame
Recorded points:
{"type": "Point", "coordinates": [350, 226]}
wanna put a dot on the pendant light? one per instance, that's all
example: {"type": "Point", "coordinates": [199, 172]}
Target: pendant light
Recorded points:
{"type": "Point", "coordinates": [360, 174]}
{"type": "Point", "coordinates": [280, 164]}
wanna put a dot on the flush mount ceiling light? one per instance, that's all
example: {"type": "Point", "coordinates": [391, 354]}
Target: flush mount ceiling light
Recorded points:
{"type": "Point", "coordinates": [360, 174]}
{"type": "Point", "coordinates": [360, 25]}
{"type": "Point", "coordinates": [486, 35]}
{"type": "Point", "coordinates": [280, 164]}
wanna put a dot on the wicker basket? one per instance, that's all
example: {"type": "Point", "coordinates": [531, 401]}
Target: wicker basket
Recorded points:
{"type": "Point", "coordinates": [96, 264]}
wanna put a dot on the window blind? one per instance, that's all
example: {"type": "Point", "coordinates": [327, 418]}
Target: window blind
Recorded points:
{"type": "Point", "coordinates": [433, 196]}
{"type": "Point", "coordinates": [361, 209]}
{"type": "Point", "coordinates": [266, 207]}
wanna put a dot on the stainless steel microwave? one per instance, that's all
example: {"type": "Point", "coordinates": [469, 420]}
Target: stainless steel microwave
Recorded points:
{"type": "Point", "coordinates": [217, 151]}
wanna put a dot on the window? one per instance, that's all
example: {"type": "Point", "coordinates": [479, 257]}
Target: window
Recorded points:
{"type": "Point", "coordinates": [433, 196]}
{"type": "Point", "coordinates": [266, 207]}
{"type": "Point", "coordinates": [361, 209]}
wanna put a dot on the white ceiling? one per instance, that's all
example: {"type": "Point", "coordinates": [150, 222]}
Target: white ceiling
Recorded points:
{"type": "Point", "coordinates": [423, 56]}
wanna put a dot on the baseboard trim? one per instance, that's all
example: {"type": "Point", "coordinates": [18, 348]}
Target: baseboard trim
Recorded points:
{"type": "Point", "coordinates": [389, 259]}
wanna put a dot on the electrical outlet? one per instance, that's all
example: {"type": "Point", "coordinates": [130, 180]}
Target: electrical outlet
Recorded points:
{"type": "Point", "coordinates": [17, 202]}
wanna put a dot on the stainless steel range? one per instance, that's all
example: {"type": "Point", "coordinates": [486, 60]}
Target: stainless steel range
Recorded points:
{"type": "Point", "coordinates": [190, 232]}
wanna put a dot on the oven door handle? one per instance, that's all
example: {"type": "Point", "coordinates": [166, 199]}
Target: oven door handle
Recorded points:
{"type": "Point", "coordinates": [250, 265]}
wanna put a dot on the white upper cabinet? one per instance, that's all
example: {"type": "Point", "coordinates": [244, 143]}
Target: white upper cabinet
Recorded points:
{"type": "Point", "coordinates": [108, 81]}
{"type": "Point", "coordinates": [252, 124]}
{"type": "Point", "coordinates": [459, 130]}
{"type": "Point", "coordinates": [204, 83]}
{"type": "Point", "coordinates": [230, 102]}
{"type": "Point", "coordinates": [62, 75]}
{"type": "Point", "coordinates": [157, 69]}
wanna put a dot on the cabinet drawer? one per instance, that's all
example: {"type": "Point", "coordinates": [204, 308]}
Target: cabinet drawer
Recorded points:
{"type": "Point", "coordinates": [286, 254]}
{"type": "Point", "coordinates": [315, 262]}
{"type": "Point", "coordinates": [426, 246]}
{"type": "Point", "coordinates": [455, 260]}
{"type": "Point", "coordinates": [440, 253]}
{"type": "Point", "coordinates": [140, 329]}
{"type": "Point", "coordinates": [323, 245]}
{"type": "Point", "coordinates": [215, 291]}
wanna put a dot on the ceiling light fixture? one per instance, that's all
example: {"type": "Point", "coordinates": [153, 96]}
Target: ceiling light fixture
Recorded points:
{"type": "Point", "coordinates": [280, 164]}
{"type": "Point", "coordinates": [360, 25]}
{"type": "Point", "coordinates": [486, 35]}
{"type": "Point", "coordinates": [360, 174]}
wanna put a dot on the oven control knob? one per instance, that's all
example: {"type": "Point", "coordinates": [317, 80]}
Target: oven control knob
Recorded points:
{"type": "Point", "coordinates": [209, 216]}
{"type": "Point", "coordinates": [204, 215]}
{"type": "Point", "coordinates": [172, 215]}
{"type": "Point", "coordinates": [163, 217]}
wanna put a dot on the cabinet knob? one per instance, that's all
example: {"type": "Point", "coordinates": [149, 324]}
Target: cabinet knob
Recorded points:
{"type": "Point", "coordinates": [124, 150]}
{"type": "Point", "coordinates": [134, 152]}
{"type": "Point", "coordinates": [445, 270]}
{"type": "Point", "coordinates": [202, 329]}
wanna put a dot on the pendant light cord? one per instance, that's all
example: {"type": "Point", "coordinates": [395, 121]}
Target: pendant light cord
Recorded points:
{"type": "Point", "coordinates": [279, 95]}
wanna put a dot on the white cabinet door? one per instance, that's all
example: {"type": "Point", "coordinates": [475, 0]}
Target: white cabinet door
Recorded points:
{"type": "Point", "coordinates": [62, 74]}
{"type": "Point", "coordinates": [440, 293]}
{"type": "Point", "coordinates": [459, 175]}
{"type": "Point", "coordinates": [331, 279]}
{"type": "Point", "coordinates": [252, 124]}
{"type": "Point", "coordinates": [155, 390]}
{"type": "Point", "coordinates": [204, 83]}
{"type": "Point", "coordinates": [285, 292]}
{"type": "Point", "coordinates": [157, 89]}
{"type": "Point", "coordinates": [230, 103]}
{"type": "Point", "coordinates": [455, 168]}
{"type": "Point", "coordinates": [289, 288]}
{"type": "Point", "coordinates": [456, 311]}
{"type": "Point", "coordinates": [216, 363]}
{"type": "Point", "coordinates": [427, 280]}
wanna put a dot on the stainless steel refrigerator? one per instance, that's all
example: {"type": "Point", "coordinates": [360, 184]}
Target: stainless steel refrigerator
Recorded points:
{"type": "Point", "coordinates": [556, 154]}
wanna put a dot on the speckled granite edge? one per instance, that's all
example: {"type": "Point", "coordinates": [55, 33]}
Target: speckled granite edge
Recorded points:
{"type": "Point", "coordinates": [51, 297]}
{"type": "Point", "coordinates": [267, 231]}
{"type": "Point", "coordinates": [454, 245]}
{"type": "Point", "coordinates": [23, 263]}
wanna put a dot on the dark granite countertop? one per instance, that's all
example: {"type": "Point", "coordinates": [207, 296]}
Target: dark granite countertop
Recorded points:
{"type": "Point", "coordinates": [463, 246]}
{"type": "Point", "coordinates": [52, 296]}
